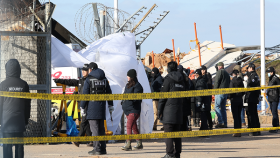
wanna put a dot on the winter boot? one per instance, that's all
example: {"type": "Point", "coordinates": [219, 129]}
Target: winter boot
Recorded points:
{"type": "Point", "coordinates": [127, 146]}
{"type": "Point", "coordinates": [138, 145]}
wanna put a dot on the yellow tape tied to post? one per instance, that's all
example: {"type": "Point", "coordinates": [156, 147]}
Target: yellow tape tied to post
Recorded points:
{"type": "Point", "coordinates": [131, 96]}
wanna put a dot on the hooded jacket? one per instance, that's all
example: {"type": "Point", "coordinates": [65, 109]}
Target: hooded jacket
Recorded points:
{"type": "Point", "coordinates": [14, 112]}
{"type": "Point", "coordinates": [273, 94]}
{"type": "Point", "coordinates": [170, 110]}
{"type": "Point", "coordinates": [132, 106]}
{"type": "Point", "coordinates": [96, 109]}
{"type": "Point", "coordinates": [236, 82]}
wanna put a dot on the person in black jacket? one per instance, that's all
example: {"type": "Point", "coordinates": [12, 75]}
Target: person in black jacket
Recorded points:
{"type": "Point", "coordinates": [156, 84]}
{"type": "Point", "coordinates": [208, 77]}
{"type": "Point", "coordinates": [202, 102]}
{"type": "Point", "coordinates": [186, 126]}
{"type": "Point", "coordinates": [236, 100]}
{"type": "Point", "coordinates": [195, 110]}
{"type": "Point", "coordinates": [14, 112]}
{"type": "Point", "coordinates": [84, 127]}
{"type": "Point", "coordinates": [273, 97]}
{"type": "Point", "coordinates": [170, 111]}
{"type": "Point", "coordinates": [96, 83]}
{"type": "Point", "coordinates": [253, 99]}
{"type": "Point", "coordinates": [132, 109]}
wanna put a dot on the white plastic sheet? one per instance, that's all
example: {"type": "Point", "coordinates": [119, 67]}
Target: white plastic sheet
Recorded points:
{"type": "Point", "coordinates": [115, 54]}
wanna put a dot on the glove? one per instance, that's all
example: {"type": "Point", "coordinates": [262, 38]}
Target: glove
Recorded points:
{"type": "Point", "coordinates": [111, 108]}
{"type": "Point", "coordinates": [83, 112]}
{"type": "Point", "coordinates": [122, 102]}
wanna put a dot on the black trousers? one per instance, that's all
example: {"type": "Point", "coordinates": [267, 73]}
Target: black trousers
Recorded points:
{"type": "Point", "coordinates": [170, 150]}
{"type": "Point", "coordinates": [7, 148]}
{"type": "Point", "coordinates": [252, 115]}
{"type": "Point", "coordinates": [209, 119]}
{"type": "Point", "coordinates": [85, 127]}
{"type": "Point", "coordinates": [195, 112]}
{"type": "Point", "coordinates": [236, 109]}
{"type": "Point", "coordinates": [203, 117]}
{"type": "Point", "coordinates": [274, 111]}
{"type": "Point", "coordinates": [97, 128]}
{"type": "Point", "coordinates": [184, 126]}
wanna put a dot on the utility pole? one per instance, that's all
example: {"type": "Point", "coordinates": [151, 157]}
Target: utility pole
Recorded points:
{"type": "Point", "coordinates": [262, 7]}
{"type": "Point", "coordinates": [116, 15]}
{"type": "Point", "coordinates": [102, 14]}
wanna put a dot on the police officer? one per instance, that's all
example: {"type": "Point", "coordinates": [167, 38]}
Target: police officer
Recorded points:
{"type": "Point", "coordinates": [253, 99]}
{"type": "Point", "coordinates": [84, 128]}
{"type": "Point", "coordinates": [14, 112]}
{"type": "Point", "coordinates": [273, 97]}
{"type": "Point", "coordinates": [96, 83]}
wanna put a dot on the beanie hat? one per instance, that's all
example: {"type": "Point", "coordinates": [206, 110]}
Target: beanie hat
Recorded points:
{"type": "Point", "coordinates": [235, 72]}
{"type": "Point", "coordinates": [132, 73]}
{"type": "Point", "coordinates": [155, 70]}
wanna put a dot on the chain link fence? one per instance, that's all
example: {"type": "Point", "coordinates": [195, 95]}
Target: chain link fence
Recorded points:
{"type": "Point", "coordinates": [23, 38]}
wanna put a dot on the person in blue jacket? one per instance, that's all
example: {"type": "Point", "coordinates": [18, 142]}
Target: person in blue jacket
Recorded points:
{"type": "Point", "coordinates": [96, 83]}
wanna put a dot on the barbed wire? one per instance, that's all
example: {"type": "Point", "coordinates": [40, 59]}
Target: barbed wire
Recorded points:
{"type": "Point", "coordinates": [84, 21]}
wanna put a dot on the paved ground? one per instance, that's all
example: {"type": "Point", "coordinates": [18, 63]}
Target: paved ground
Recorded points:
{"type": "Point", "coordinates": [266, 145]}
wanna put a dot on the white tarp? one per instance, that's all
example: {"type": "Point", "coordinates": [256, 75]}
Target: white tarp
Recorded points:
{"type": "Point", "coordinates": [115, 54]}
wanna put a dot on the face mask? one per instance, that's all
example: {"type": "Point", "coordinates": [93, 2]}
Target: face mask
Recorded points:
{"type": "Point", "coordinates": [245, 78]}
{"type": "Point", "coordinates": [269, 74]}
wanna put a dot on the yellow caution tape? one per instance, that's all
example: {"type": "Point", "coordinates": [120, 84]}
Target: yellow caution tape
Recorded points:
{"type": "Point", "coordinates": [130, 96]}
{"type": "Point", "coordinates": [39, 140]}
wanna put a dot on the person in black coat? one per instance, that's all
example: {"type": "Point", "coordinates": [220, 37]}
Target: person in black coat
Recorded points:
{"type": "Point", "coordinates": [236, 100]}
{"type": "Point", "coordinates": [84, 127]}
{"type": "Point", "coordinates": [14, 112]}
{"type": "Point", "coordinates": [132, 109]}
{"type": "Point", "coordinates": [195, 110]}
{"type": "Point", "coordinates": [273, 97]}
{"type": "Point", "coordinates": [156, 84]}
{"type": "Point", "coordinates": [96, 83]}
{"type": "Point", "coordinates": [186, 126]}
{"type": "Point", "coordinates": [202, 102]}
{"type": "Point", "coordinates": [208, 78]}
{"type": "Point", "coordinates": [253, 99]}
{"type": "Point", "coordinates": [170, 111]}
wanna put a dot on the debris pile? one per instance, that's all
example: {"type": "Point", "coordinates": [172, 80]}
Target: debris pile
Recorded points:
{"type": "Point", "coordinates": [160, 60]}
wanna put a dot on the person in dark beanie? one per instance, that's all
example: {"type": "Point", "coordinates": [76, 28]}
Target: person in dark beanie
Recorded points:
{"type": "Point", "coordinates": [132, 109]}
{"type": "Point", "coordinates": [236, 100]}
{"type": "Point", "coordinates": [208, 78]}
{"type": "Point", "coordinates": [170, 111]}
{"type": "Point", "coordinates": [273, 97]}
{"type": "Point", "coordinates": [253, 99]}
{"type": "Point", "coordinates": [14, 112]}
{"type": "Point", "coordinates": [84, 127]}
{"type": "Point", "coordinates": [222, 80]}
{"type": "Point", "coordinates": [96, 83]}
{"type": "Point", "coordinates": [202, 102]}
{"type": "Point", "coordinates": [156, 84]}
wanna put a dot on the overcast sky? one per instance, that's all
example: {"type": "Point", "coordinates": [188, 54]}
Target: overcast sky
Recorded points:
{"type": "Point", "coordinates": [240, 20]}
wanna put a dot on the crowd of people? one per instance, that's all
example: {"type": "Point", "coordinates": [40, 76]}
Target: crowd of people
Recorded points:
{"type": "Point", "coordinates": [174, 113]}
